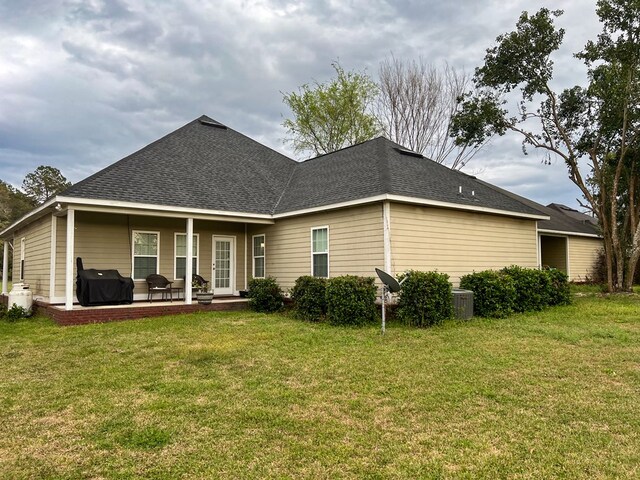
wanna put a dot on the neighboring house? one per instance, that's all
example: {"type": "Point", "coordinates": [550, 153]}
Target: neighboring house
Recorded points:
{"type": "Point", "coordinates": [207, 199]}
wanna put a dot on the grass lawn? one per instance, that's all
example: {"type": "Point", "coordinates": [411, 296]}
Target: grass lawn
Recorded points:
{"type": "Point", "coordinates": [241, 395]}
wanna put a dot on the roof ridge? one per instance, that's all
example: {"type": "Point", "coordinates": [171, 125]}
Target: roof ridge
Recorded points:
{"type": "Point", "coordinates": [384, 169]}
{"type": "Point", "coordinates": [342, 149]}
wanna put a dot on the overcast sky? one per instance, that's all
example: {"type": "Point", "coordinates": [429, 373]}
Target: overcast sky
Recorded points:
{"type": "Point", "coordinates": [85, 83]}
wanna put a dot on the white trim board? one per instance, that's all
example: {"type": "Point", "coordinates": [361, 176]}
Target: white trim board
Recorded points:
{"type": "Point", "coordinates": [561, 233]}
{"type": "Point", "coordinates": [414, 201]}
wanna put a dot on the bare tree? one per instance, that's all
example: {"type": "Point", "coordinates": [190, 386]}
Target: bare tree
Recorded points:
{"type": "Point", "coordinates": [415, 106]}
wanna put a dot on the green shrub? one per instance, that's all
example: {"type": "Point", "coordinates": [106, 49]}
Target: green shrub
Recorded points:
{"type": "Point", "coordinates": [3, 310]}
{"type": "Point", "coordinates": [16, 313]}
{"type": "Point", "coordinates": [425, 299]}
{"type": "Point", "coordinates": [533, 288]}
{"type": "Point", "coordinates": [309, 298]}
{"type": "Point", "coordinates": [560, 293]}
{"type": "Point", "coordinates": [265, 295]}
{"type": "Point", "coordinates": [351, 300]}
{"type": "Point", "coordinates": [494, 293]}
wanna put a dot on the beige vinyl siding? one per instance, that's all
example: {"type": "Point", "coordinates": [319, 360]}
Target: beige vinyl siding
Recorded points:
{"type": "Point", "coordinates": [456, 242]}
{"type": "Point", "coordinates": [582, 255]}
{"type": "Point", "coordinates": [37, 259]}
{"type": "Point", "coordinates": [103, 241]}
{"type": "Point", "coordinates": [355, 243]}
{"type": "Point", "coordinates": [554, 252]}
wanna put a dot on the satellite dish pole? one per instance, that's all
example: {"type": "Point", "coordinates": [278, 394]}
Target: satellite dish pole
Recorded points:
{"type": "Point", "coordinates": [389, 285]}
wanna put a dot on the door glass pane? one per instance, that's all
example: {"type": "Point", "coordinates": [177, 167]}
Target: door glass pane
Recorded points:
{"type": "Point", "coordinates": [223, 264]}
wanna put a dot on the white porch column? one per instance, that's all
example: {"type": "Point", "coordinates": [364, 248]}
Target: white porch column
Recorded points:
{"type": "Point", "coordinates": [386, 234]}
{"type": "Point", "coordinates": [52, 264]}
{"type": "Point", "coordinates": [189, 266]}
{"type": "Point", "coordinates": [68, 284]}
{"type": "Point", "coordinates": [5, 267]}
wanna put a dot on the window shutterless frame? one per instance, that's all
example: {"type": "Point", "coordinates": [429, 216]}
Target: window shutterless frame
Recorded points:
{"type": "Point", "coordinates": [134, 233]}
{"type": "Point", "coordinates": [196, 256]}
{"type": "Point", "coordinates": [259, 254]}
{"type": "Point", "coordinates": [317, 251]}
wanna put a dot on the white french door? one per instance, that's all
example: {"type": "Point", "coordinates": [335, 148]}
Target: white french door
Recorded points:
{"type": "Point", "coordinates": [224, 265]}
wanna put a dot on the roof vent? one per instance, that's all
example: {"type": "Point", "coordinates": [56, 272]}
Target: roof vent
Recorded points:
{"type": "Point", "coordinates": [409, 153]}
{"type": "Point", "coordinates": [212, 123]}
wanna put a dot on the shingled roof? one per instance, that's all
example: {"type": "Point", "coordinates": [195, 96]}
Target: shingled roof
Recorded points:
{"type": "Point", "coordinates": [203, 165]}
{"type": "Point", "coordinates": [566, 219]}
{"type": "Point", "coordinates": [206, 165]}
{"type": "Point", "coordinates": [380, 166]}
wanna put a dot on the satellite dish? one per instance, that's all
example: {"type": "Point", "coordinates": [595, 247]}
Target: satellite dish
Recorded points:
{"type": "Point", "coordinates": [391, 283]}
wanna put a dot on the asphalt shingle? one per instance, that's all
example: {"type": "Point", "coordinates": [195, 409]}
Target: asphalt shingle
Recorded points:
{"type": "Point", "coordinates": [206, 165]}
{"type": "Point", "coordinates": [197, 166]}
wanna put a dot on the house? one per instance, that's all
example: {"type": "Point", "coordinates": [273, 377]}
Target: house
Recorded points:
{"type": "Point", "coordinates": [210, 200]}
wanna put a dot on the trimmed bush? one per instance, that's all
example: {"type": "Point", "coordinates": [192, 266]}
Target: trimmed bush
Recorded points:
{"type": "Point", "coordinates": [309, 298]}
{"type": "Point", "coordinates": [265, 295]}
{"type": "Point", "coordinates": [351, 300]}
{"type": "Point", "coordinates": [494, 293]}
{"type": "Point", "coordinates": [560, 293]}
{"type": "Point", "coordinates": [425, 299]}
{"type": "Point", "coordinates": [533, 288]}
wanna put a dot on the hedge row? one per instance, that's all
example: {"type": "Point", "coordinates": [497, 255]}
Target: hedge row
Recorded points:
{"type": "Point", "coordinates": [515, 289]}
{"type": "Point", "coordinates": [346, 300]}
{"type": "Point", "coordinates": [425, 299]}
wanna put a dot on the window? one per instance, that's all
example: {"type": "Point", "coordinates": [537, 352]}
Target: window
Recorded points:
{"type": "Point", "coordinates": [180, 266]}
{"type": "Point", "coordinates": [258, 256]}
{"type": "Point", "coordinates": [145, 253]}
{"type": "Point", "coordinates": [22, 243]}
{"type": "Point", "coordinates": [320, 252]}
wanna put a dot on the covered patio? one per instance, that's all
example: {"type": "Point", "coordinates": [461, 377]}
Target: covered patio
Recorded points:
{"type": "Point", "coordinates": [137, 240]}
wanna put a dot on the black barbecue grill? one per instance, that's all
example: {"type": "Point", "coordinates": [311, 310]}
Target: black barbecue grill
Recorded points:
{"type": "Point", "coordinates": [102, 287]}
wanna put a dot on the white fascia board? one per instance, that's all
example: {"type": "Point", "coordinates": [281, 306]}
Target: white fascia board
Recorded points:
{"type": "Point", "coordinates": [24, 218]}
{"type": "Point", "coordinates": [332, 206]}
{"type": "Point", "coordinates": [542, 231]}
{"type": "Point", "coordinates": [93, 205]}
{"type": "Point", "coordinates": [414, 201]}
{"type": "Point", "coordinates": [471, 208]}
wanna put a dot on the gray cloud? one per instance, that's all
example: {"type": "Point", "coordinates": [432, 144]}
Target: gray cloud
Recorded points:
{"type": "Point", "coordinates": [84, 83]}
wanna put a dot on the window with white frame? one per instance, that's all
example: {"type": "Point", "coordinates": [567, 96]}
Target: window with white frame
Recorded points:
{"type": "Point", "coordinates": [320, 252]}
{"type": "Point", "coordinates": [258, 256]}
{"type": "Point", "coordinates": [22, 245]}
{"type": "Point", "coordinates": [146, 247]}
{"type": "Point", "coordinates": [180, 264]}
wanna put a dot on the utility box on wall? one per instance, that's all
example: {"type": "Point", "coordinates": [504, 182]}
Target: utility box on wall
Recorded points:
{"type": "Point", "coordinates": [462, 303]}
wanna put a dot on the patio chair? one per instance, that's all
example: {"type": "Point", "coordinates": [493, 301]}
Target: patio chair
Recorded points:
{"type": "Point", "coordinates": [159, 284]}
{"type": "Point", "coordinates": [199, 282]}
